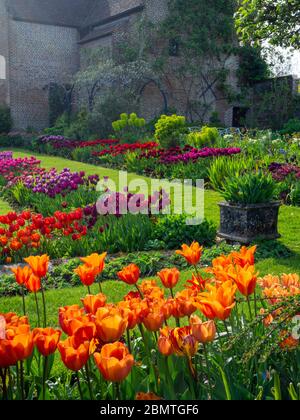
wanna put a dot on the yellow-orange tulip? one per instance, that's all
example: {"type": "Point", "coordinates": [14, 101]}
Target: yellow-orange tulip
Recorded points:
{"type": "Point", "coordinates": [246, 256]}
{"type": "Point", "coordinates": [33, 284]}
{"type": "Point", "coordinates": [183, 342]}
{"type": "Point", "coordinates": [110, 324]}
{"type": "Point", "coordinates": [86, 274]}
{"type": "Point", "coordinates": [147, 396]}
{"type": "Point", "coordinates": [192, 253]}
{"type": "Point", "coordinates": [169, 277]}
{"type": "Point", "coordinates": [245, 278]}
{"type": "Point", "coordinates": [114, 362]}
{"type": "Point", "coordinates": [204, 332]}
{"type": "Point", "coordinates": [96, 261]}
{"type": "Point", "coordinates": [72, 356]}
{"type": "Point", "coordinates": [92, 303]}
{"type": "Point", "coordinates": [22, 275]}
{"type": "Point", "coordinates": [46, 340]}
{"type": "Point", "coordinates": [218, 301]}
{"type": "Point", "coordinates": [38, 264]}
{"type": "Point", "coordinates": [130, 274]}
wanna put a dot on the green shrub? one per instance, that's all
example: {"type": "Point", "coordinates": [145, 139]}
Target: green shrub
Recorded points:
{"type": "Point", "coordinates": [5, 120]}
{"type": "Point", "coordinates": [253, 188]}
{"type": "Point", "coordinates": [294, 195]}
{"type": "Point", "coordinates": [173, 231]}
{"type": "Point", "coordinates": [208, 136]}
{"type": "Point", "coordinates": [129, 128]}
{"type": "Point", "coordinates": [169, 130]}
{"type": "Point", "coordinates": [291, 127]}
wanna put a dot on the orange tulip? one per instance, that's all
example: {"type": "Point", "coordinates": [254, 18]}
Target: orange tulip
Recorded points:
{"type": "Point", "coordinates": [169, 277]}
{"type": "Point", "coordinates": [82, 330]}
{"type": "Point", "coordinates": [38, 264]}
{"type": "Point", "coordinates": [86, 274]}
{"type": "Point", "coordinates": [245, 279]}
{"type": "Point", "coordinates": [130, 274]}
{"type": "Point", "coordinates": [66, 315]}
{"type": "Point", "coordinates": [204, 332]}
{"type": "Point", "coordinates": [289, 343]}
{"type": "Point", "coordinates": [114, 362]}
{"type": "Point", "coordinates": [46, 340]}
{"type": "Point", "coordinates": [148, 396]}
{"type": "Point", "coordinates": [218, 301]}
{"type": "Point", "coordinates": [16, 346]}
{"type": "Point", "coordinates": [245, 256]}
{"type": "Point", "coordinates": [164, 342]}
{"type": "Point", "coordinates": [183, 342]}
{"type": "Point", "coordinates": [33, 284]}
{"type": "Point", "coordinates": [192, 253]}
{"type": "Point", "coordinates": [74, 357]}
{"type": "Point", "coordinates": [155, 319]}
{"type": "Point", "coordinates": [22, 274]}
{"type": "Point", "coordinates": [95, 261]}
{"type": "Point", "coordinates": [184, 304]}
{"type": "Point", "coordinates": [92, 303]}
{"type": "Point", "coordinates": [110, 324]}
{"type": "Point", "coordinates": [197, 283]}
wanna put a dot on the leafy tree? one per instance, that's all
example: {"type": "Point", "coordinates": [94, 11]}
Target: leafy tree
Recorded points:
{"type": "Point", "coordinates": [275, 21]}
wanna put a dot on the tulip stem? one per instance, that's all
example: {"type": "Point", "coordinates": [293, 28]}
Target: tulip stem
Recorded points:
{"type": "Point", "coordinates": [22, 380]}
{"type": "Point", "coordinates": [138, 289]}
{"type": "Point", "coordinates": [128, 340]}
{"type": "Point", "coordinates": [89, 290]}
{"type": "Point", "coordinates": [172, 292]}
{"type": "Point", "coordinates": [44, 307]}
{"type": "Point", "coordinates": [207, 367]}
{"type": "Point", "coordinates": [23, 300]}
{"type": "Point", "coordinates": [37, 309]}
{"type": "Point", "coordinates": [255, 302]}
{"type": "Point", "coordinates": [250, 310]}
{"type": "Point", "coordinates": [87, 371]}
{"type": "Point", "coordinates": [192, 376]}
{"type": "Point", "coordinates": [148, 354]}
{"type": "Point", "coordinates": [3, 377]}
{"type": "Point", "coordinates": [45, 377]}
{"type": "Point", "coordinates": [79, 386]}
{"type": "Point", "coordinates": [118, 393]}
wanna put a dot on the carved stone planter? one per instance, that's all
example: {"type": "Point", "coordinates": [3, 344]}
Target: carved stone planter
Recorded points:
{"type": "Point", "coordinates": [244, 224]}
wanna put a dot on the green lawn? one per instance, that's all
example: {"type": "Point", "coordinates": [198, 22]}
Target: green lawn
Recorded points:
{"type": "Point", "coordinates": [289, 227]}
{"type": "Point", "coordinates": [4, 207]}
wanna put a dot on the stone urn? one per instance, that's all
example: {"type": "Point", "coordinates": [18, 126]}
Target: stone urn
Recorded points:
{"type": "Point", "coordinates": [246, 223]}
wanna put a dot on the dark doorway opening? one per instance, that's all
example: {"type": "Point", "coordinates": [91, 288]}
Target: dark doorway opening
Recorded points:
{"type": "Point", "coordinates": [239, 116]}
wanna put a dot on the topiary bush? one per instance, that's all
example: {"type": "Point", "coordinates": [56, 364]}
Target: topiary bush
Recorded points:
{"type": "Point", "coordinates": [5, 120]}
{"type": "Point", "coordinates": [169, 130]}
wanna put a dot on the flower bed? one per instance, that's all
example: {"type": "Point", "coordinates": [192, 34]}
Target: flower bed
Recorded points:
{"type": "Point", "coordinates": [60, 142]}
{"type": "Point", "coordinates": [213, 339]}
{"type": "Point", "coordinates": [280, 171]}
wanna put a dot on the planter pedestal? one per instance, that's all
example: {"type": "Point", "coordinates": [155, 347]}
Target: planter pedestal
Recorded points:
{"type": "Point", "coordinates": [245, 224]}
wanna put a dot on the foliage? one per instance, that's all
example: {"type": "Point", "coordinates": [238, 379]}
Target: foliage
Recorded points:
{"type": "Point", "coordinates": [169, 129]}
{"type": "Point", "coordinates": [274, 21]}
{"type": "Point", "coordinates": [173, 230]}
{"type": "Point", "coordinates": [208, 136]}
{"type": "Point", "coordinates": [292, 126]}
{"type": "Point", "coordinates": [5, 120]}
{"type": "Point", "coordinates": [129, 128]}
{"type": "Point", "coordinates": [253, 67]}
{"type": "Point", "coordinates": [223, 169]}
{"type": "Point", "coordinates": [252, 188]}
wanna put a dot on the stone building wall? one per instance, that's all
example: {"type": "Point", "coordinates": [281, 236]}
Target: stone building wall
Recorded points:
{"type": "Point", "coordinates": [38, 54]}
{"type": "Point", "coordinates": [4, 58]}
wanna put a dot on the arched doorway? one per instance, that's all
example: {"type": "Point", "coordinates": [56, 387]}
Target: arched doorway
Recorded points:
{"type": "Point", "coordinates": [153, 100]}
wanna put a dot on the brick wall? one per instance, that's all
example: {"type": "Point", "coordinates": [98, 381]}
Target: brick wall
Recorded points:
{"type": "Point", "coordinates": [39, 54]}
